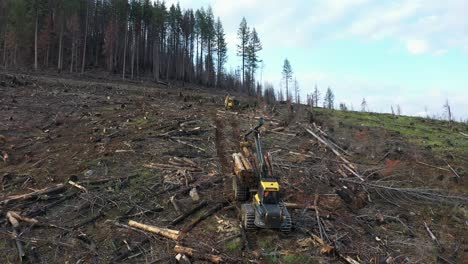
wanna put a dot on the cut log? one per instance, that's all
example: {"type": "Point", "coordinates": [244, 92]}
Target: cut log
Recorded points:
{"type": "Point", "coordinates": [246, 163]}
{"type": "Point", "coordinates": [299, 206]}
{"type": "Point", "coordinates": [13, 221]}
{"type": "Point", "coordinates": [21, 218]}
{"type": "Point", "coordinates": [56, 188]}
{"type": "Point", "coordinates": [168, 233]}
{"type": "Point", "coordinates": [197, 254]}
{"type": "Point", "coordinates": [247, 152]}
{"type": "Point", "coordinates": [242, 167]}
{"type": "Point", "coordinates": [76, 185]}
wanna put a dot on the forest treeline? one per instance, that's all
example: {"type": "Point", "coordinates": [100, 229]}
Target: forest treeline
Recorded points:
{"type": "Point", "coordinates": [136, 38]}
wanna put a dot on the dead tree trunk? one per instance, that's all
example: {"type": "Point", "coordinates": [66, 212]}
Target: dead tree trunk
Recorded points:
{"type": "Point", "coordinates": [133, 52]}
{"type": "Point", "coordinates": [4, 49]}
{"type": "Point", "coordinates": [83, 63]}
{"type": "Point", "coordinates": [72, 53]}
{"type": "Point", "coordinates": [156, 60]}
{"type": "Point", "coordinates": [60, 55]}
{"type": "Point", "coordinates": [125, 51]}
{"type": "Point", "coordinates": [35, 38]}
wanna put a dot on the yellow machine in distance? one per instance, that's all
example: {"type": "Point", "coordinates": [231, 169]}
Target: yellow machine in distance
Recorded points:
{"type": "Point", "coordinates": [230, 102]}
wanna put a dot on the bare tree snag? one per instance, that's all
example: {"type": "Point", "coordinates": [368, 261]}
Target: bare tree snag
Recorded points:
{"type": "Point", "coordinates": [56, 188]}
{"type": "Point", "coordinates": [197, 254]}
{"type": "Point", "coordinates": [168, 233]}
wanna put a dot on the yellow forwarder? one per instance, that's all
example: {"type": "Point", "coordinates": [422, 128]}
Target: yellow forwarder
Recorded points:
{"type": "Point", "coordinates": [266, 210]}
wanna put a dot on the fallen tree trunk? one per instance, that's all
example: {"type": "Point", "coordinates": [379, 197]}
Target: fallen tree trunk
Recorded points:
{"type": "Point", "coordinates": [56, 188]}
{"type": "Point", "coordinates": [168, 233]}
{"type": "Point", "coordinates": [202, 217]}
{"type": "Point", "coordinates": [348, 165]}
{"type": "Point", "coordinates": [187, 214]}
{"type": "Point", "coordinates": [197, 254]}
{"type": "Point", "coordinates": [433, 237]}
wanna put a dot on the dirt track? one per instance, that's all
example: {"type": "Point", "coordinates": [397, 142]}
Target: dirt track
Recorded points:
{"type": "Point", "coordinates": [57, 130]}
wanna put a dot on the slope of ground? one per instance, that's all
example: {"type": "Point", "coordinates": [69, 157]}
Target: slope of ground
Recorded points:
{"type": "Point", "coordinates": [135, 147]}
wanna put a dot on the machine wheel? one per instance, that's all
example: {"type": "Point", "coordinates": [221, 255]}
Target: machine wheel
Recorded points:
{"type": "Point", "coordinates": [286, 226]}
{"type": "Point", "coordinates": [241, 192]}
{"type": "Point", "coordinates": [248, 217]}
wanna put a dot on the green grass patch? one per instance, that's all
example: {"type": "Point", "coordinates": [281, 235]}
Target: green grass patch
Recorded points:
{"type": "Point", "coordinates": [437, 135]}
{"type": "Point", "coordinates": [235, 245]}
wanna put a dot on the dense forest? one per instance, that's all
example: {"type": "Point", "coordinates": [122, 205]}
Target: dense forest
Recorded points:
{"type": "Point", "coordinates": [132, 39]}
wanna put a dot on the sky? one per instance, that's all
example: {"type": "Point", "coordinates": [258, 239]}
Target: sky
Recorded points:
{"type": "Point", "coordinates": [412, 53]}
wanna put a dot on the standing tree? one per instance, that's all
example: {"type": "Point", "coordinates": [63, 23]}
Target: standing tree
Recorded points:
{"type": "Point", "coordinates": [343, 107]}
{"type": "Point", "coordinates": [243, 33]}
{"type": "Point", "coordinates": [297, 91]}
{"type": "Point", "coordinates": [221, 50]}
{"type": "Point", "coordinates": [269, 93]}
{"type": "Point", "coordinates": [364, 105]}
{"type": "Point", "coordinates": [329, 99]}
{"type": "Point", "coordinates": [315, 96]}
{"type": "Point", "coordinates": [254, 46]}
{"type": "Point", "coordinates": [210, 38]}
{"type": "Point", "coordinates": [83, 62]}
{"type": "Point", "coordinates": [448, 111]}
{"type": "Point", "coordinates": [287, 75]}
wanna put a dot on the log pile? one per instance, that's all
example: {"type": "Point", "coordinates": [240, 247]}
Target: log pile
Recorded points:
{"type": "Point", "coordinates": [242, 166]}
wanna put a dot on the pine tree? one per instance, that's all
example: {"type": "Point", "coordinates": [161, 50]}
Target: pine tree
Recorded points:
{"type": "Point", "coordinates": [364, 105]}
{"type": "Point", "coordinates": [243, 34]}
{"type": "Point", "coordinates": [221, 49]}
{"type": "Point", "coordinates": [316, 96]}
{"type": "Point", "coordinates": [287, 76]}
{"type": "Point", "coordinates": [329, 100]}
{"type": "Point", "coordinates": [210, 39]}
{"type": "Point", "coordinates": [254, 46]}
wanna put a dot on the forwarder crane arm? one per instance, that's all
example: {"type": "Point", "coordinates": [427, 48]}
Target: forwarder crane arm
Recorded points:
{"type": "Point", "coordinates": [259, 153]}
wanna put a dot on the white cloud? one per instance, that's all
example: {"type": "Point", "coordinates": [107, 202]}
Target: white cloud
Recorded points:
{"type": "Point", "coordinates": [441, 24]}
{"type": "Point", "coordinates": [417, 46]}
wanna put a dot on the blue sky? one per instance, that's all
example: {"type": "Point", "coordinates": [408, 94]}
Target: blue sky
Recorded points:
{"type": "Point", "coordinates": [413, 53]}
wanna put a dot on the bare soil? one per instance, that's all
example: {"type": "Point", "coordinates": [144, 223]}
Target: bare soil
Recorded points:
{"type": "Point", "coordinates": [121, 140]}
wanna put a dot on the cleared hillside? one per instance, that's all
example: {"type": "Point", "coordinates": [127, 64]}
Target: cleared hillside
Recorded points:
{"type": "Point", "coordinates": [134, 146]}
